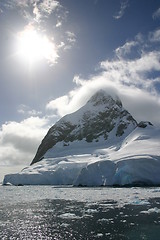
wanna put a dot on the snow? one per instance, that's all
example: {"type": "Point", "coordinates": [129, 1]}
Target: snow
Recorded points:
{"type": "Point", "coordinates": [90, 108]}
{"type": "Point", "coordinates": [129, 159]}
{"type": "Point", "coordinates": [133, 160]}
{"type": "Point", "coordinates": [4, 170]}
{"type": "Point", "coordinates": [102, 119]}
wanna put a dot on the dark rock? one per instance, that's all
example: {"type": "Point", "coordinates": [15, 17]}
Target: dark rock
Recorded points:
{"type": "Point", "coordinates": [143, 124]}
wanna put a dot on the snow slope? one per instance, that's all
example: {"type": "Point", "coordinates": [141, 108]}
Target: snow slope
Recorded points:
{"type": "Point", "coordinates": [102, 117]}
{"type": "Point", "coordinates": [133, 160]}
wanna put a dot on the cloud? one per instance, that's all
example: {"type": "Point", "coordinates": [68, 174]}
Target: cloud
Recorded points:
{"type": "Point", "coordinates": [135, 71]}
{"type": "Point", "coordinates": [132, 48]}
{"type": "Point", "coordinates": [156, 14]}
{"type": "Point", "coordinates": [33, 9]}
{"type": "Point", "coordinates": [124, 50]}
{"type": "Point", "coordinates": [19, 141]}
{"type": "Point", "coordinates": [61, 45]}
{"type": "Point", "coordinates": [154, 36]}
{"type": "Point", "coordinates": [25, 110]}
{"type": "Point", "coordinates": [130, 74]}
{"type": "Point", "coordinates": [77, 80]}
{"type": "Point", "coordinates": [36, 13]}
{"type": "Point", "coordinates": [142, 104]}
{"type": "Point", "coordinates": [70, 39]}
{"type": "Point", "coordinates": [43, 9]}
{"type": "Point", "coordinates": [47, 6]}
{"type": "Point", "coordinates": [59, 24]}
{"type": "Point", "coordinates": [139, 102]}
{"type": "Point", "coordinates": [124, 5]}
{"type": "Point", "coordinates": [54, 104]}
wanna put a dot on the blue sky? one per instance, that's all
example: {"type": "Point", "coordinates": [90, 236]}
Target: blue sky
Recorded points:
{"type": "Point", "coordinates": [93, 44]}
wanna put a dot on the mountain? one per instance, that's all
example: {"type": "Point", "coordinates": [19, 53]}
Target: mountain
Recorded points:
{"type": "Point", "coordinates": [102, 116]}
{"type": "Point", "coordinates": [101, 144]}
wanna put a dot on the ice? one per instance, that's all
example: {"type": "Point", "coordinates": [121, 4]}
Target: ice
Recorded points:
{"type": "Point", "coordinates": [107, 234]}
{"type": "Point", "coordinates": [92, 197]}
{"type": "Point", "coordinates": [103, 220]}
{"type": "Point", "coordinates": [99, 235]}
{"type": "Point", "coordinates": [124, 220]}
{"type": "Point", "coordinates": [133, 161]}
{"type": "Point", "coordinates": [140, 202]}
{"type": "Point", "coordinates": [65, 225]}
{"type": "Point", "coordinates": [90, 210]}
{"type": "Point", "coordinates": [69, 216]}
{"type": "Point", "coordinates": [151, 210]}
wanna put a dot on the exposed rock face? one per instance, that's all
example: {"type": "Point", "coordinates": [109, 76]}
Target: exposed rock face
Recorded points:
{"type": "Point", "coordinates": [143, 124]}
{"type": "Point", "coordinates": [102, 116]}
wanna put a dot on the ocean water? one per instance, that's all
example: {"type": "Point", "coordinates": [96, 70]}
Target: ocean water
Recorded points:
{"type": "Point", "coordinates": [47, 212]}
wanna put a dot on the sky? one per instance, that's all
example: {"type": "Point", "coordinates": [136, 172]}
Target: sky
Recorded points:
{"type": "Point", "coordinates": [56, 54]}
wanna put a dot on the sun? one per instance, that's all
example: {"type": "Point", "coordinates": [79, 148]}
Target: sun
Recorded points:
{"type": "Point", "coordinates": [33, 47]}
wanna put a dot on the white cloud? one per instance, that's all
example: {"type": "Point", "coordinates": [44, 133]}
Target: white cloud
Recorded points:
{"type": "Point", "coordinates": [131, 78]}
{"type": "Point", "coordinates": [70, 40]}
{"type": "Point", "coordinates": [25, 110]}
{"type": "Point", "coordinates": [124, 5]}
{"type": "Point", "coordinates": [58, 104]}
{"type": "Point", "coordinates": [132, 47]}
{"type": "Point", "coordinates": [154, 36]}
{"type": "Point", "coordinates": [71, 37]}
{"type": "Point", "coordinates": [61, 45]}
{"type": "Point", "coordinates": [59, 24]}
{"type": "Point", "coordinates": [77, 80]}
{"type": "Point", "coordinates": [19, 141]}
{"type": "Point", "coordinates": [124, 50]}
{"type": "Point", "coordinates": [48, 6]}
{"type": "Point", "coordinates": [40, 9]}
{"type": "Point", "coordinates": [43, 9]}
{"type": "Point", "coordinates": [156, 14]}
{"type": "Point", "coordinates": [139, 102]}
{"type": "Point", "coordinates": [36, 13]}
{"type": "Point", "coordinates": [133, 72]}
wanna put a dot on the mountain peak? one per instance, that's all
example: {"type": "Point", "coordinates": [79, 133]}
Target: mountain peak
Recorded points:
{"type": "Point", "coordinates": [102, 97]}
{"type": "Point", "coordinates": [102, 118]}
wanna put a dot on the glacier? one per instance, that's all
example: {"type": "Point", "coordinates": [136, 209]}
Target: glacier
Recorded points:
{"type": "Point", "coordinates": [133, 161]}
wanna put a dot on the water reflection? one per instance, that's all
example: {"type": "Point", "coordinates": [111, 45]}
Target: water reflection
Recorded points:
{"type": "Point", "coordinates": [61, 219]}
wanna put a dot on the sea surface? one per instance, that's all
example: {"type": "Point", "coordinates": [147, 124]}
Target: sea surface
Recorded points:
{"type": "Point", "coordinates": [47, 212]}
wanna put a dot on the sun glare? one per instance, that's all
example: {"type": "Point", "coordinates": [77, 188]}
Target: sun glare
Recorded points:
{"type": "Point", "coordinates": [33, 47]}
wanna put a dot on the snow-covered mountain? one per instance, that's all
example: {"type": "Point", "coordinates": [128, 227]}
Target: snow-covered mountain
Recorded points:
{"type": "Point", "coordinates": [103, 116]}
{"type": "Point", "coordinates": [100, 144]}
